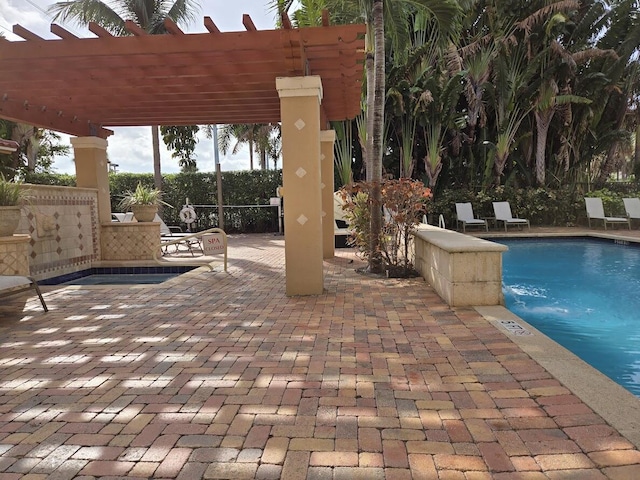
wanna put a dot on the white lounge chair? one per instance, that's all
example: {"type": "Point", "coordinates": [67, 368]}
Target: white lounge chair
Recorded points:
{"type": "Point", "coordinates": [595, 211]}
{"type": "Point", "coordinates": [169, 234]}
{"type": "Point", "coordinates": [502, 211]}
{"type": "Point", "coordinates": [340, 224]}
{"type": "Point", "coordinates": [632, 207]}
{"type": "Point", "coordinates": [14, 284]}
{"type": "Point", "coordinates": [464, 216]}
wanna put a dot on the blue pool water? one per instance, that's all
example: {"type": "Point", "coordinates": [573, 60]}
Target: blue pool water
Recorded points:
{"type": "Point", "coordinates": [118, 276]}
{"type": "Point", "coordinates": [585, 295]}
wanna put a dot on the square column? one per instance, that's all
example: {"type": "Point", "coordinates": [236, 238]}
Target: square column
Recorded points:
{"type": "Point", "coordinates": [92, 172]}
{"type": "Point", "coordinates": [327, 139]}
{"type": "Point", "coordinates": [300, 99]}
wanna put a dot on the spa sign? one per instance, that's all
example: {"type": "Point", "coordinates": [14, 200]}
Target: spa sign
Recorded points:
{"type": "Point", "coordinates": [213, 243]}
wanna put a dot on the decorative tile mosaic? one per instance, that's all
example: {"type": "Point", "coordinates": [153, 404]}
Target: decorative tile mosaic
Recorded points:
{"type": "Point", "coordinates": [64, 228]}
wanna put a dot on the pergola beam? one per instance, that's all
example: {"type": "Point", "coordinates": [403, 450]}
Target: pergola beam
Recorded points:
{"type": "Point", "coordinates": [134, 29]}
{"type": "Point", "coordinates": [26, 34]}
{"type": "Point", "coordinates": [62, 32]}
{"type": "Point", "coordinates": [248, 23]}
{"type": "Point", "coordinates": [99, 31]}
{"type": "Point", "coordinates": [51, 119]}
{"type": "Point", "coordinates": [77, 85]}
{"type": "Point", "coordinates": [172, 27]}
{"type": "Point", "coordinates": [210, 26]}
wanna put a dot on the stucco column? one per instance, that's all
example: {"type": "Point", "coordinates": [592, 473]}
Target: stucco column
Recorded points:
{"type": "Point", "coordinates": [327, 139]}
{"type": "Point", "coordinates": [92, 171]}
{"type": "Point", "coordinates": [300, 99]}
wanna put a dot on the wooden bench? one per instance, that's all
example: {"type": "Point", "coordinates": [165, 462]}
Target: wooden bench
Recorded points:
{"type": "Point", "coordinates": [15, 284]}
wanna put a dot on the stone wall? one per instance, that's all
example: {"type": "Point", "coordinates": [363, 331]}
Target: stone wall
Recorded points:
{"type": "Point", "coordinates": [64, 229]}
{"type": "Point", "coordinates": [463, 270]}
{"type": "Point", "coordinates": [130, 241]}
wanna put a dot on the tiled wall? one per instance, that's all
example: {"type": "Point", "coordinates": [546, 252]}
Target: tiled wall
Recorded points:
{"type": "Point", "coordinates": [64, 229]}
{"type": "Point", "coordinates": [130, 241]}
{"type": "Point", "coordinates": [14, 255]}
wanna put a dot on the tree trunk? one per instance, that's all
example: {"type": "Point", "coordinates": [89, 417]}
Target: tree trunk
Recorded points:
{"type": "Point", "coordinates": [157, 173]}
{"type": "Point", "coordinates": [636, 157]}
{"type": "Point", "coordinates": [250, 154]}
{"type": "Point", "coordinates": [610, 160]}
{"type": "Point", "coordinates": [368, 149]}
{"type": "Point", "coordinates": [375, 259]}
{"type": "Point", "coordinates": [543, 121]}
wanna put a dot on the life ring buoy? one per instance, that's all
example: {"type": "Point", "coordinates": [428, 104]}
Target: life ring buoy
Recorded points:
{"type": "Point", "coordinates": [188, 215]}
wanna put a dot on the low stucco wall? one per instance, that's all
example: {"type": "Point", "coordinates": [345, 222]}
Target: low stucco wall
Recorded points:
{"type": "Point", "coordinates": [463, 270]}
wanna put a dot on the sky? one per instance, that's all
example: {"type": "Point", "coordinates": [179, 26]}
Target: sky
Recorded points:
{"type": "Point", "coordinates": [130, 147]}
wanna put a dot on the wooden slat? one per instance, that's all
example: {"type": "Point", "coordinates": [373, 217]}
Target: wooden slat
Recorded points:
{"type": "Point", "coordinates": [248, 23]}
{"type": "Point", "coordinates": [50, 119]}
{"type": "Point", "coordinates": [176, 79]}
{"type": "Point", "coordinates": [210, 26]}
{"type": "Point", "coordinates": [172, 27]}
{"type": "Point", "coordinates": [350, 36]}
{"type": "Point", "coordinates": [99, 31]}
{"type": "Point", "coordinates": [134, 29]}
{"type": "Point", "coordinates": [26, 34]}
{"type": "Point", "coordinates": [325, 18]}
{"type": "Point", "coordinates": [286, 21]}
{"type": "Point", "coordinates": [62, 32]}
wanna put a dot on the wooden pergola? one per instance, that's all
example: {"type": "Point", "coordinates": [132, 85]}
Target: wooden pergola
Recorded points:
{"type": "Point", "coordinates": [80, 86]}
{"type": "Point", "coordinates": [300, 77]}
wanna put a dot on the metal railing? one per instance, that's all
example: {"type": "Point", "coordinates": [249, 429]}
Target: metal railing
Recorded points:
{"type": "Point", "coordinates": [187, 238]}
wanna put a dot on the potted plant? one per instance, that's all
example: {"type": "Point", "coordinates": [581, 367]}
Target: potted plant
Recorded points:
{"type": "Point", "coordinates": [143, 202]}
{"type": "Point", "coordinates": [12, 197]}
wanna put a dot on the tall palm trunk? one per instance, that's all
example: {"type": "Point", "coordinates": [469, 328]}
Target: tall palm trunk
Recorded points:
{"type": "Point", "coordinates": [375, 259]}
{"type": "Point", "coordinates": [543, 122]}
{"type": "Point", "coordinates": [155, 139]}
{"type": "Point", "coordinates": [251, 154]}
{"type": "Point", "coordinates": [368, 144]}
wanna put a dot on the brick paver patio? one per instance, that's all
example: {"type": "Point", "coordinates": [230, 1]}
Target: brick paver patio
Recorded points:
{"type": "Point", "coordinates": [221, 376]}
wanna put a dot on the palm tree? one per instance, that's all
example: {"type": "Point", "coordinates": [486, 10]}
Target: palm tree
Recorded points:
{"type": "Point", "coordinates": [262, 139]}
{"type": "Point", "coordinates": [398, 16]}
{"type": "Point", "coordinates": [149, 15]}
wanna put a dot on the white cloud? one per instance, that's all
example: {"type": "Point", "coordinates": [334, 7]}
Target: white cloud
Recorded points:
{"type": "Point", "coordinates": [130, 147]}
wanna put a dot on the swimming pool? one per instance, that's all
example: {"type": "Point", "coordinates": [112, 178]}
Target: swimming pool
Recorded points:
{"type": "Point", "coordinates": [582, 293]}
{"type": "Point", "coordinates": [118, 276]}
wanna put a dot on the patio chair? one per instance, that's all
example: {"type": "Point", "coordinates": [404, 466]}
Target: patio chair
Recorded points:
{"type": "Point", "coordinates": [595, 211]}
{"type": "Point", "coordinates": [502, 212]}
{"type": "Point", "coordinates": [14, 284]}
{"type": "Point", "coordinates": [174, 232]}
{"type": "Point", "coordinates": [632, 207]}
{"type": "Point", "coordinates": [464, 216]}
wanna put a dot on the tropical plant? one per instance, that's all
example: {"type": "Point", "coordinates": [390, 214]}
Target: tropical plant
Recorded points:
{"type": "Point", "coordinates": [263, 139]}
{"type": "Point", "coordinates": [111, 15]}
{"type": "Point", "coordinates": [142, 195]}
{"type": "Point", "coordinates": [404, 202]}
{"type": "Point", "coordinates": [12, 194]}
{"type": "Point", "coordinates": [182, 140]}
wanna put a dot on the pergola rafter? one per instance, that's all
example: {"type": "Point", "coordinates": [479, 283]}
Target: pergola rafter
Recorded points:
{"type": "Point", "coordinates": [81, 86]}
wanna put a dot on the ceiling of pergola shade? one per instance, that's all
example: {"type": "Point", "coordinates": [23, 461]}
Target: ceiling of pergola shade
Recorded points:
{"type": "Point", "coordinates": [80, 86]}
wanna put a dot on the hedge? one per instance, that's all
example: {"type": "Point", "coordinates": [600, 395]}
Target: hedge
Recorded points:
{"type": "Point", "coordinates": [563, 207]}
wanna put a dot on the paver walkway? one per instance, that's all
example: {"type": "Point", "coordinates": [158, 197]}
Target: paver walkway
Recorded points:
{"type": "Point", "coordinates": [222, 376]}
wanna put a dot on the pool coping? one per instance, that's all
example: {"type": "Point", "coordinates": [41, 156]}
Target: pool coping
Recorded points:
{"type": "Point", "coordinates": [614, 403]}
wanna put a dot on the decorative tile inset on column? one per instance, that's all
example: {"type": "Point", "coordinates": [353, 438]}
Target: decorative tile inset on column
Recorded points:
{"type": "Point", "coordinates": [300, 124]}
{"type": "Point", "coordinates": [301, 172]}
{"type": "Point", "coordinates": [302, 220]}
